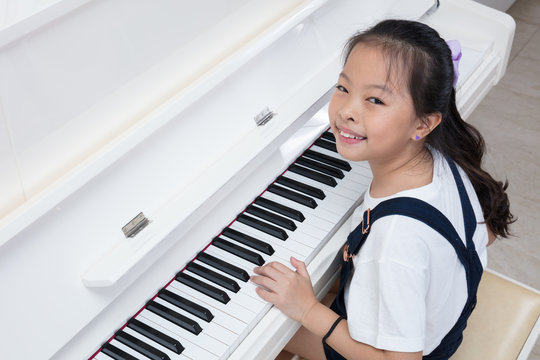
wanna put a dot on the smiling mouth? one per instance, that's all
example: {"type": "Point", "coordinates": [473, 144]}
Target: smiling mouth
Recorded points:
{"type": "Point", "coordinates": [350, 136]}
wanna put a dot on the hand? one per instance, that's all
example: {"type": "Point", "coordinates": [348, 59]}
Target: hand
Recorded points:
{"type": "Point", "coordinates": [290, 291]}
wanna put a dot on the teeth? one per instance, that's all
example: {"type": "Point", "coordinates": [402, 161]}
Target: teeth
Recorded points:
{"type": "Point", "coordinates": [344, 134]}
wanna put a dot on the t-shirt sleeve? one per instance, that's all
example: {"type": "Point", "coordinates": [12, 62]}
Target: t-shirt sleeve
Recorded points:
{"type": "Point", "coordinates": [386, 304]}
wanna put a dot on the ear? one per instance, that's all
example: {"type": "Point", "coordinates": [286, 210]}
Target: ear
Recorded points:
{"type": "Point", "coordinates": [426, 125]}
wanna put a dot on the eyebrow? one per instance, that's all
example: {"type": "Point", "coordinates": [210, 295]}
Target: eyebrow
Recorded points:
{"type": "Point", "coordinates": [382, 87]}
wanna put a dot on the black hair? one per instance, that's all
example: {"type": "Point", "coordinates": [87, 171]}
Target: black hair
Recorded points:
{"type": "Point", "coordinates": [420, 52]}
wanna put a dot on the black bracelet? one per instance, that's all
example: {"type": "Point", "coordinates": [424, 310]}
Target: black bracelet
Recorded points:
{"type": "Point", "coordinates": [341, 317]}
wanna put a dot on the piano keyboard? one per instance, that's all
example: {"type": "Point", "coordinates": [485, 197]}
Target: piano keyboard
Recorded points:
{"type": "Point", "coordinates": [211, 306]}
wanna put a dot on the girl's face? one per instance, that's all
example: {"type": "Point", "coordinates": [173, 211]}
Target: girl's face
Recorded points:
{"type": "Point", "coordinates": [371, 111]}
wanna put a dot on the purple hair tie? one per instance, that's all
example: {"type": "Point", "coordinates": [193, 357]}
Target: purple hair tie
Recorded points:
{"type": "Point", "coordinates": [455, 48]}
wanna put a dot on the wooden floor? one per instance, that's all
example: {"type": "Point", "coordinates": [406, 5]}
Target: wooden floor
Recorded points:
{"type": "Point", "coordinates": [509, 120]}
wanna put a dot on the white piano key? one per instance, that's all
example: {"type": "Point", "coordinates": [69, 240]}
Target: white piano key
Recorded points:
{"type": "Point", "coordinates": [280, 252]}
{"type": "Point", "coordinates": [202, 340]}
{"type": "Point", "coordinates": [220, 317]}
{"type": "Point", "coordinates": [231, 308]}
{"type": "Point", "coordinates": [351, 194]}
{"type": "Point", "coordinates": [210, 328]}
{"type": "Point", "coordinates": [245, 287]}
{"type": "Point", "coordinates": [319, 212]}
{"type": "Point", "coordinates": [102, 356]}
{"type": "Point", "coordinates": [191, 350]}
{"type": "Point", "coordinates": [359, 167]}
{"type": "Point", "coordinates": [231, 258]}
{"type": "Point", "coordinates": [289, 246]}
{"type": "Point", "coordinates": [239, 298]}
{"type": "Point", "coordinates": [127, 349]}
{"type": "Point", "coordinates": [169, 353]}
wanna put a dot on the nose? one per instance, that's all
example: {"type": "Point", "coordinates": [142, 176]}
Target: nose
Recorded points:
{"type": "Point", "coordinates": [348, 111]}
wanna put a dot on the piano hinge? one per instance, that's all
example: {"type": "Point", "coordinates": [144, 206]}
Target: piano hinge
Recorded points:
{"type": "Point", "coordinates": [136, 224]}
{"type": "Point", "coordinates": [264, 116]}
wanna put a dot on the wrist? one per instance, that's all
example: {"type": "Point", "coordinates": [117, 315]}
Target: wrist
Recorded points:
{"type": "Point", "coordinates": [306, 314]}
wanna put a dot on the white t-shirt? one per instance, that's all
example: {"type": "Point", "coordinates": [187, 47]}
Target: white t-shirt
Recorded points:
{"type": "Point", "coordinates": [408, 287]}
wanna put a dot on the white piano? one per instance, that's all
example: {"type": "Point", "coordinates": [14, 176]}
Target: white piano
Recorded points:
{"type": "Point", "coordinates": [146, 151]}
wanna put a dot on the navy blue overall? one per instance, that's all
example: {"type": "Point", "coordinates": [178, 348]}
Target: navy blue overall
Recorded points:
{"type": "Point", "coordinates": [428, 214]}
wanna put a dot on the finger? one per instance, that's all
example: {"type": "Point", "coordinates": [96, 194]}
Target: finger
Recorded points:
{"type": "Point", "coordinates": [266, 295]}
{"type": "Point", "coordinates": [300, 267]}
{"type": "Point", "coordinates": [265, 282]}
{"type": "Point", "coordinates": [271, 271]}
{"type": "Point", "coordinates": [284, 269]}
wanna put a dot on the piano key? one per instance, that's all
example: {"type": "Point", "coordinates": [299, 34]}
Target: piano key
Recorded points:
{"type": "Point", "coordinates": [203, 287]}
{"type": "Point", "coordinates": [247, 288]}
{"type": "Point", "coordinates": [194, 348]}
{"type": "Point", "coordinates": [320, 167]}
{"type": "Point", "coordinates": [187, 305]}
{"type": "Point", "coordinates": [283, 250]}
{"type": "Point", "coordinates": [239, 251]}
{"type": "Point", "coordinates": [119, 351]}
{"type": "Point", "coordinates": [271, 217]}
{"type": "Point", "coordinates": [213, 277]}
{"type": "Point", "coordinates": [353, 194]}
{"type": "Point", "coordinates": [102, 356]}
{"type": "Point", "coordinates": [240, 297]}
{"type": "Point", "coordinates": [256, 244]}
{"type": "Point", "coordinates": [302, 187]}
{"type": "Point", "coordinates": [211, 329]}
{"type": "Point", "coordinates": [328, 135]}
{"type": "Point", "coordinates": [307, 211]}
{"type": "Point", "coordinates": [230, 269]}
{"type": "Point", "coordinates": [263, 226]}
{"type": "Point", "coordinates": [156, 335]}
{"type": "Point", "coordinates": [174, 317]}
{"type": "Point", "coordinates": [218, 309]}
{"type": "Point", "coordinates": [140, 346]}
{"type": "Point", "coordinates": [292, 195]}
{"type": "Point", "coordinates": [312, 174]}
{"type": "Point", "coordinates": [359, 167]}
{"type": "Point", "coordinates": [329, 160]}
{"type": "Point", "coordinates": [326, 145]}
{"type": "Point", "coordinates": [173, 355]}
{"type": "Point", "coordinates": [280, 209]}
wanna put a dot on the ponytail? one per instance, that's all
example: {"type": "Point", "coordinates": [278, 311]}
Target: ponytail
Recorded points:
{"type": "Point", "coordinates": [465, 145]}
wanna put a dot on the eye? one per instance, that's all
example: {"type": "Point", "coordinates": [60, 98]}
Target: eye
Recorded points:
{"type": "Point", "coordinates": [342, 89]}
{"type": "Point", "coordinates": [375, 101]}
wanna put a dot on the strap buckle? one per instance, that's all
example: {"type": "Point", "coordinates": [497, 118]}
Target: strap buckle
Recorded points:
{"type": "Point", "coordinates": [346, 254]}
{"type": "Point", "coordinates": [366, 229]}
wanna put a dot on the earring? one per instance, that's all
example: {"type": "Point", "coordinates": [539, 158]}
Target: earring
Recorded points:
{"type": "Point", "coordinates": [417, 137]}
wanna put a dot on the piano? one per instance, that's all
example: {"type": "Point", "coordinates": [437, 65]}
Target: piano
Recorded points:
{"type": "Point", "coordinates": [153, 152]}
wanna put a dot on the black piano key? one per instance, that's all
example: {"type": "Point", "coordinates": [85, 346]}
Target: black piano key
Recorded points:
{"type": "Point", "coordinates": [156, 335]}
{"type": "Point", "coordinates": [326, 144]}
{"type": "Point", "coordinates": [315, 165]}
{"type": "Point", "coordinates": [303, 188]}
{"type": "Point", "coordinates": [239, 251]}
{"type": "Point", "coordinates": [250, 241]}
{"type": "Point", "coordinates": [293, 196]}
{"type": "Point", "coordinates": [328, 136]}
{"type": "Point", "coordinates": [224, 266]}
{"type": "Point", "coordinates": [330, 160]}
{"type": "Point", "coordinates": [263, 226]}
{"type": "Point", "coordinates": [314, 175]}
{"type": "Point", "coordinates": [187, 305]}
{"type": "Point", "coordinates": [140, 346]}
{"type": "Point", "coordinates": [214, 277]}
{"type": "Point", "coordinates": [174, 317]}
{"type": "Point", "coordinates": [116, 353]}
{"type": "Point", "coordinates": [281, 209]}
{"type": "Point", "coordinates": [203, 287]}
{"type": "Point", "coordinates": [271, 217]}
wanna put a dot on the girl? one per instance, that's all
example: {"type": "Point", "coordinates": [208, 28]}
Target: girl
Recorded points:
{"type": "Point", "coordinates": [430, 210]}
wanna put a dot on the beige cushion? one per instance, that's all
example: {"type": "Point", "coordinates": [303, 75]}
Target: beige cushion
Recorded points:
{"type": "Point", "coordinates": [501, 322]}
